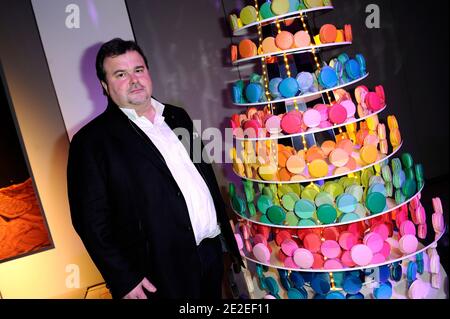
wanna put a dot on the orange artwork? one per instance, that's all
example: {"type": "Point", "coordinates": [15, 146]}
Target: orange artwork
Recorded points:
{"type": "Point", "coordinates": [22, 226]}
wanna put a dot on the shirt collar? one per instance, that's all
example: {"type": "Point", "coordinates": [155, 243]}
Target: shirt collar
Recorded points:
{"type": "Point", "coordinates": [159, 109]}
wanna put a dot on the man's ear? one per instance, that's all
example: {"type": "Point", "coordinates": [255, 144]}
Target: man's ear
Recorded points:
{"type": "Point", "coordinates": [105, 86]}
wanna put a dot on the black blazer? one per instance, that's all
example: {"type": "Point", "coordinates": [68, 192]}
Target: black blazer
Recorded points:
{"type": "Point", "coordinates": [129, 211]}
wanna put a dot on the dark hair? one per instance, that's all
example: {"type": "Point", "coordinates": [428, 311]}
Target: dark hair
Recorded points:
{"type": "Point", "coordinates": [113, 48]}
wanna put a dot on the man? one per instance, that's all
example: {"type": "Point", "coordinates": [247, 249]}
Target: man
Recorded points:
{"type": "Point", "coordinates": [152, 221]}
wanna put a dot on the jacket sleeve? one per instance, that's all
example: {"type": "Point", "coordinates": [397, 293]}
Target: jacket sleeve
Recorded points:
{"type": "Point", "coordinates": [92, 220]}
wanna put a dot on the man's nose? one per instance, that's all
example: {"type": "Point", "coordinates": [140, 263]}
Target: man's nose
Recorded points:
{"type": "Point", "coordinates": [133, 78]}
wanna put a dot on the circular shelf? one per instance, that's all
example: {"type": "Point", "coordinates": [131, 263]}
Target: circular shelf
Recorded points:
{"type": "Point", "coordinates": [392, 206]}
{"type": "Point", "coordinates": [243, 31]}
{"type": "Point", "coordinates": [330, 167]}
{"type": "Point", "coordinates": [282, 136]}
{"type": "Point", "coordinates": [304, 98]}
{"type": "Point", "coordinates": [275, 263]}
{"type": "Point", "coordinates": [292, 51]}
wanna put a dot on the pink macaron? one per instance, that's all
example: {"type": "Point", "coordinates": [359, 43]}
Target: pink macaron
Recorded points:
{"type": "Point", "coordinates": [288, 247]}
{"type": "Point", "coordinates": [332, 264]}
{"type": "Point", "coordinates": [373, 102]}
{"type": "Point", "coordinates": [273, 124]}
{"type": "Point", "coordinates": [330, 249]}
{"type": "Point", "coordinates": [407, 228]}
{"type": "Point", "coordinates": [291, 122]}
{"type": "Point", "coordinates": [350, 107]}
{"type": "Point", "coordinates": [382, 229]}
{"type": "Point", "coordinates": [289, 263]}
{"type": "Point", "coordinates": [323, 110]}
{"type": "Point", "coordinates": [422, 231]}
{"type": "Point", "coordinates": [386, 250]}
{"type": "Point", "coordinates": [330, 233]}
{"type": "Point", "coordinates": [374, 241]}
{"type": "Point", "coordinates": [337, 114]}
{"type": "Point", "coordinates": [302, 39]}
{"type": "Point", "coordinates": [259, 239]}
{"type": "Point", "coordinates": [239, 241]}
{"type": "Point", "coordinates": [347, 260]}
{"type": "Point", "coordinates": [361, 255]}
{"type": "Point", "coordinates": [261, 253]}
{"type": "Point", "coordinates": [312, 118]}
{"type": "Point", "coordinates": [303, 258]}
{"type": "Point", "coordinates": [437, 205]}
{"type": "Point", "coordinates": [408, 244]}
{"type": "Point", "coordinates": [378, 259]}
{"type": "Point", "coordinates": [347, 240]}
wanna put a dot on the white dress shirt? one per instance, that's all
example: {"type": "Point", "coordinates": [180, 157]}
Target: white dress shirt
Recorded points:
{"type": "Point", "coordinates": [192, 185]}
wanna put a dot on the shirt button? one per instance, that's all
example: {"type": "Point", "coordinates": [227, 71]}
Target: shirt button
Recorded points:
{"type": "Point", "coordinates": [189, 228]}
{"type": "Point", "coordinates": [179, 194]}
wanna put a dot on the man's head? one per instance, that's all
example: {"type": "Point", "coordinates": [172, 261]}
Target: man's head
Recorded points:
{"type": "Point", "coordinates": [122, 69]}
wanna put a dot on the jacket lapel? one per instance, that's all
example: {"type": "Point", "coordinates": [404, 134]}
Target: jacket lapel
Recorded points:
{"type": "Point", "coordinates": [124, 129]}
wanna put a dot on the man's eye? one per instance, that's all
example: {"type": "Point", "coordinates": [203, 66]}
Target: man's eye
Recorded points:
{"type": "Point", "coordinates": [140, 70]}
{"type": "Point", "coordinates": [121, 75]}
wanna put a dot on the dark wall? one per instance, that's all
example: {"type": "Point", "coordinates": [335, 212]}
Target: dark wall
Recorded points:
{"type": "Point", "coordinates": [12, 164]}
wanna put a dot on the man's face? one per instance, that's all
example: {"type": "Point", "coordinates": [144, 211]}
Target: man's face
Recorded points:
{"type": "Point", "coordinates": [128, 81]}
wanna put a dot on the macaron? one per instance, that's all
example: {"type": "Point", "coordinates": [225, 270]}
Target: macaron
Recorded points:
{"type": "Point", "coordinates": [312, 118]}
{"type": "Point", "coordinates": [332, 264]}
{"type": "Point", "coordinates": [320, 283]}
{"type": "Point", "coordinates": [326, 214]}
{"type": "Point", "coordinates": [289, 200]}
{"type": "Point", "coordinates": [346, 203]}
{"type": "Point", "coordinates": [350, 107]}
{"type": "Point", "coordinates": [408, 244]}
{"type": "Point", "coordinates": [328, 78]}
{"type": "Point", "coordinates": [304, 209]}
{"type": "Point", "coordinates": [280, 7]}
{"type": "Point", "coordinates": [361, 255]}
{"type": "Point", "coordinates": [339, 158]}
{"type": "Point", "coordinates": [323, 198]}
{"type": "Point", "coordinates": [291, 122]}
{"type": "Point", "coordinates": [384, 291]}
{"type": "Point", "coordinates": [312, 242]}
{"type": "Point", "coordinates": [352, 69]}
{"type": "Point", "coordinates": [269, 45]}
{"type": "Point", "coordinates": [407, 227]}
{"type": "Point", "coordinates": [265, 11]}
{"type": "Point", "coordinates": [296, 164]}
{"type": "Point", "coordinates": [264, 203]}
{"type": "Point", "coordinates": [248, 15]}
{"type": "Point", "coordinates": [348, 34]}
{"type": "Point", "coordinates": [288, 247]}
{"type": "Point", "coordinates": [337, 114]}
{"type": "Point", "coordinates": [373, 102]}
{"type": "Point", "coordinates": [268, 172]}
{"type": "Point", "coordinates": [273, 87]}
{"type": "Point", "coordinates": [247, 49]}
{"type": "Point", "coordinates": [261, 253]}
{"type": "Point", "coordinates": [328, 33]}
{"type": "Point", "coordinates": [254, 92]}
{"type": "Point", "coordinates": [418, 289]}
{"type": "Point", "coordinates": [305, 81]}
{"type": "Point", "coordinates": [330, 249]}
{"type": "Point", "coordinates": [303, 258]}
{"type": "Point", "coordinates": [302, 39]}
{"type": "Point", "coordinates": [374, 241]}
{"type": "Point", "coordinates": [273, 124]}
{"type": "Point", "coordinates": [352, 284]}
{"type": "Point", "coordinates": [376, 202]}
{"type": "Point", "coordinates": [369, 154]}
{"type": "Point", "coordinates": [284, 40]}
{"type": "Point", "coordinates": [347, 240]}
{"type": "Point", "coordinates": [288, 87]}
{"type": "Point", "coordinates": [318, 168]}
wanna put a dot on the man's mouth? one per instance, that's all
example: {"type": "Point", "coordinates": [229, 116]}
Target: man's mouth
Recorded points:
{"type": "Point", "coordinates": [136, 90]}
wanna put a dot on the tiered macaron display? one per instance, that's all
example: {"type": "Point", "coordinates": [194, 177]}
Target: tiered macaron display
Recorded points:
{"type": "Point", "coordinates": [340, 72]}
{"type": "Point", "coordinates": [362, 196]}
{"type": "Point", "coordinates": [275, 9]}
{"type": "Point", "coordinates": [319, 118]}
{"type": "Point", "coordinates": [289, 42]}
{"type": "Point", "coordinates": [347, 152]}
{"type": "Point", "coordinates": [327, 208]}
